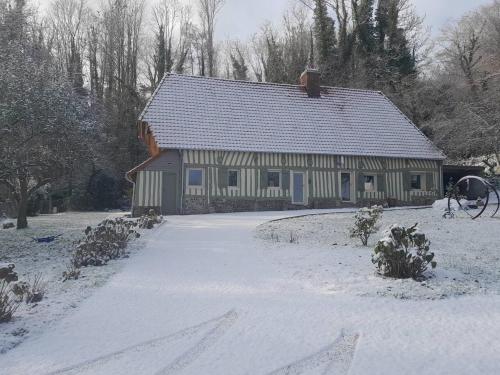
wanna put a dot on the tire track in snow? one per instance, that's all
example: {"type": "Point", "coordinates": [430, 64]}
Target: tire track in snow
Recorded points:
{"type": "Point", "coordinates": [343, 356]}
{"type": "Point", "coordinates": [202, 346]}
{"type": "Point", "coordinates": [336, 357]}
{"type": "Point", "coordinates": [187, 332]}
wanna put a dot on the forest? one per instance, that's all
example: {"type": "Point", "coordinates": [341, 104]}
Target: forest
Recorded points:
{"type": "Point", "coordinates": [74, 78]}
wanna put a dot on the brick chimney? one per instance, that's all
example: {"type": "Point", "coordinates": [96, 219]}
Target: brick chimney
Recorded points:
{"type": "Point", "coordinates": [310, 79]}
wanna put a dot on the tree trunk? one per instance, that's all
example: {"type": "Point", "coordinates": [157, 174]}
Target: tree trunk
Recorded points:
{"type": "Point", "coordinates": [22, 211]}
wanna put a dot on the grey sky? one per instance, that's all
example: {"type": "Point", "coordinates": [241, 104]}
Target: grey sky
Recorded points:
{"type": "Point", "coordinates": [240, 19]}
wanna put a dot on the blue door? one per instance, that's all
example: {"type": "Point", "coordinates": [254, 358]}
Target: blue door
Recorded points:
{"type": "Point", "coordinates": [345, 182]}
{"type": "Point", "coordinates": [298, 188]}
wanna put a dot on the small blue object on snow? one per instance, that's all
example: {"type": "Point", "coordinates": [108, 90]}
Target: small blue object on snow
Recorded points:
{"type": "Point", "coordinates": [47, 239]}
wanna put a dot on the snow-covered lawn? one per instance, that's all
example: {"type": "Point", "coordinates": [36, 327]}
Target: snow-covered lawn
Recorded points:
{"type": "Point", "coordinates": [467, 252]}
{"type": "Point", "coordinates": [50, 260]}
{"type": "Point", "coordinates": [211, 294]}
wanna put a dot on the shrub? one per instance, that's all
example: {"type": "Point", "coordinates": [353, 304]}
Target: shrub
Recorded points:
{"type": "Point", "coordinates": [150, 220]}
{"type": "Point", "coordinates": [366, 223]}
{"type": "Point", "coordinates": [20, 289]}
{"type": "Point", "coordinates": [8, 301]}
{"type": "Point", "coordinates": [403, 253]}
{"type": "Point", "coordinates": [105, 242]}
{"type": "Point", "coordinates": [36, 290]}
{"type": "Point", "coordinates": [72, 272]}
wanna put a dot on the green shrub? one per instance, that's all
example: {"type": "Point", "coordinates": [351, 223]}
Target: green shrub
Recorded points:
{"type": "Point", "coordinates": [150, 220]}
{"type": "Point", "coordinates": [366, 223]}
{"type": "Point", "coordinates": [37, 289]}
{"type": "Point", "coordinates": [105, 242]}
{"type": "Point", "coordinates": [403, 253]}
{"type": "Point", "coordinates": [72, 272]}
{"type": "Point", "coordinates": [8, 301]}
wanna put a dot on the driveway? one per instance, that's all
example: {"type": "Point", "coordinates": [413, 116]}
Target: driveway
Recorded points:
{"type": "Point", "coordinates": [205, 297]}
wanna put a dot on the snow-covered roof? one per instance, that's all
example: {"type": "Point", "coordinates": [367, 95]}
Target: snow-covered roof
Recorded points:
{"type": "Point", "coordinates": [191, 112]}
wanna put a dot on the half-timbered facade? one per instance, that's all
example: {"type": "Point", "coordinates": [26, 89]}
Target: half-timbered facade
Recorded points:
{"type": "Point", "coordinates": [200, 163]}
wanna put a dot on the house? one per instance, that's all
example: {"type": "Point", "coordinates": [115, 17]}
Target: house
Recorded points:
{"type": "Point", "coordinates": [219, 145]}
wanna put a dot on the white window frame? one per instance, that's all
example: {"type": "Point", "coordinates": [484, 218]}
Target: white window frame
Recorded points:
{"type": "Point", "coordinates": [188, 170]}
{"type": "Point", "coordinates": [375, 183]}
{"type": "Point", "coordinates": [423, 182]}
{"type": "Point", "coordinates": [238, 173]}
{"type": "Point", "coordinates": [281, 179]}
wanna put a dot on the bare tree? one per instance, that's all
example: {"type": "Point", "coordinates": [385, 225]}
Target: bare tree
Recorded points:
{"type": "Point", "coordinates": [461, 46]}
{"type": "Point", "coordinates": [172, 40]}
{"type": "Point", "coordinates": [208, 11]}
{"type": "Point", "coordinates": [69, 19]}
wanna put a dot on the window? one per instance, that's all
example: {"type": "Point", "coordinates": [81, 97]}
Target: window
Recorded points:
{"type": "Point", "coordinates": [273, 179]}
{"type": "Point", "coordinates": [369, 183]}
{"type": "Point", "coordinates": [195, 177]}
{"type": "Point", "coordinates": [232, 179]}
{"type": "Point", "coordinates": [416, 182]}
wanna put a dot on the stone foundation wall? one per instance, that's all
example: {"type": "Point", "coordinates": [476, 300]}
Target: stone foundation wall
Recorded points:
{"type": "Point", "coordinates": [421, 201]}
{"type": "Point", "coordinates": [195, 205]}
{"type": "Point", "coordinates": [199, 205]}
{"type": "Point", "coordinates": [139, 211]}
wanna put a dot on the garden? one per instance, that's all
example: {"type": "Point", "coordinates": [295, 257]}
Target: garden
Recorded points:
{"type": "Point", "coordinates": [401, 253]}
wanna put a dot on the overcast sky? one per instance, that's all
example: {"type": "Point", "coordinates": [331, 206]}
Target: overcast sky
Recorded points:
{"type": "Point", "coordinates": [240, 19]}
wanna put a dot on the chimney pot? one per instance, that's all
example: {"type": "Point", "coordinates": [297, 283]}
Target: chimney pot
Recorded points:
{"type": "Point", "coordinates": [310, 79]}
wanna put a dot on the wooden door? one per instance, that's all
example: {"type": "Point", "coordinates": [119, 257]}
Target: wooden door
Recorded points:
{"type": "Point", "coordinates": [169, 194]}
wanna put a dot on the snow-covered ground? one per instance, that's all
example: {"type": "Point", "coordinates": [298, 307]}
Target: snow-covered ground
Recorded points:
{"type": "Point", "coordinates": [467, 252]}
{"type": "Point", "coordinates": [50, 260]}
{"type": "Point", "coordinates": [212, 295]}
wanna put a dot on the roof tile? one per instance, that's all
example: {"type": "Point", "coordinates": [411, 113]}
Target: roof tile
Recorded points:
{"type": "Point", "coordinates": [189, 112]}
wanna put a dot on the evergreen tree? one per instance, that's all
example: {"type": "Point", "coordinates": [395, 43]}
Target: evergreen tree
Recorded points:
{"type": "Point", "coordinates": [240, 68]}
{"type": "Point", "coordinates": [381, 23]}
{"type": "Point", "coordinates": [364, 26]}
{"type": "Point", "coordinates": [365, 40]}
{"type": "Point", "coordinates": [274, 67]}
{"type": "Point", "coordinates": [326, 41]}
{"type": "Point", "coordinates": [161, 55]}
{"type": "Point", "coordinates": [401, 60]}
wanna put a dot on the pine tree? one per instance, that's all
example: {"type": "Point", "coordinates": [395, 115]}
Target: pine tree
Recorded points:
{"type": "Point", "coordinates": [365, 30]}
{"type": "Point", "coordinates": [240, 69]}
{"type": "Point", "coordinates": [381, 23]}
{"type": "Point", "coordinates": [160, 55]}
{"type": "Point", "coordinates": [396, 60]}
{"type": "Point", "coordinates": [326, 41]}
{"type": "Point", "coordinates": [365, 40]}
{"type": "Point", "coordinates": [401, 59]}
{"type": "Point", "coordinates": [274, 68]}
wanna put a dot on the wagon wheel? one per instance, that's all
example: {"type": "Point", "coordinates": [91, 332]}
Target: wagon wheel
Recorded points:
{"type": "Point", "coordinates": [487, 186]}
{"type": "Point", "coordinates": [493, 188]}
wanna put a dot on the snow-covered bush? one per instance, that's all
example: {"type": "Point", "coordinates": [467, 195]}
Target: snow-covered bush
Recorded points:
{"type": "Point", "coordinates": [8, 225]}
{"type": "Point", "coordinates": [403, 253]}
{"type": "Point", "coordinates": [452, 190]}
{"type": "Point", "coordinates": [72, 272]}
{"type": "Point", "coordinates": [37, 289]}
{"type": "Point", "coordinates": [8, 301]}
{"type": "Point", "coordinates": [20, 289]}
{"type": "Point", "coordinates": [150, 220]}
{"type": "Point", "coordinates": [105, 242]}
{"type": "Point", "coordinates": [366, 223]}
